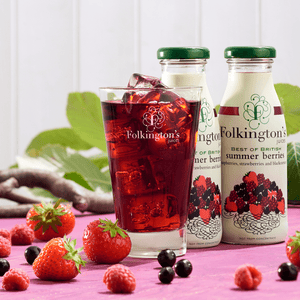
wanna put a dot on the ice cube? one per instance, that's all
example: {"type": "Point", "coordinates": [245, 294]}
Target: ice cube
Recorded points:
{"type": "Point", "coordinates": [143, 81]}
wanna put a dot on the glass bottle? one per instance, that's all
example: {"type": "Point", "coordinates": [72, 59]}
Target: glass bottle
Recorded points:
{"type": "Point", "coordinates": [254, 161]}
{"type": "Point", "coordinates": [186, 67]}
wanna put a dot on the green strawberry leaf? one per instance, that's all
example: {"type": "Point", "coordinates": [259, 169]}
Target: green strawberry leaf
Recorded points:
{"type": "Point", "coordinates": [85, 117]}
{"type": "Point", "coordinates": [113, 228]}
{"type": "Point", "coordinates": [66, 137]}
{"type": "Point", "coordinates": [293, 171]}
{"type": "Point", "coordinates": [289, 97]}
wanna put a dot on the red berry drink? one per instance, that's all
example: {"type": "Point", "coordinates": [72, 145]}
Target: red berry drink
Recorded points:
{"type": "Point", "coordinates": [150, 137]}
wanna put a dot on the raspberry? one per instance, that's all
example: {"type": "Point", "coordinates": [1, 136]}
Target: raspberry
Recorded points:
{"type": "Point", "coordinates": [250, 186]}
{"type": "Point", "coordinates": [202, 203]}
{"type": "Point", "coordinates": [5, 233]}
{"type": "Point", "coordinates": [5, 247]}
{"type": "Point", "coordinates": [272, 204]}
{"type": "Point", "coordinates": [233, 196]}
{"type": "Point", "coordinates": [213, 187]}
{"type": "Point", "coordinates": [200, 191]}
{"type": "Point", "coordinates": [252, 199]}
{"type": "Point", "coordinates": [240, 203]}
{"type": "Point", "coordinates": [247, 277]}
{"type": "Point", "coordinates": [208, 182]}
{"type": "Point", "coordinates": [260, 178]}
{"type": "Point", "coordinates": [119, 279]}
{"type": "Point", "coordinates": [21, 235]}
{"type": "Point", "coordinates": [279, 194]}
{"type": "Point", "coordinates": [191, 208]}
{"type": "Point", "coordinates": [15, 280]}
{"type": "Point", "coordinates": [267, 183]}
{"type": "Point", "coordinates": [264, 201]}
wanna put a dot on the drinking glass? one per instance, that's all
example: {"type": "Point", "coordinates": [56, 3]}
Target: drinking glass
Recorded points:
{"type": "Point", "coordinates": [151, 136]}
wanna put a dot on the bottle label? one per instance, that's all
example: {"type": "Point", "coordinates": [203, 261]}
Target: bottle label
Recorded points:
{"type": "Point", "coordinates": [254, 172]}
{"type": "Point", "coordinates": [204, 225]}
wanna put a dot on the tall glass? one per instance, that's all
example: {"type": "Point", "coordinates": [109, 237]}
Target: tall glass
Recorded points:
{"type": "Point", "coordinates": [151, 137]}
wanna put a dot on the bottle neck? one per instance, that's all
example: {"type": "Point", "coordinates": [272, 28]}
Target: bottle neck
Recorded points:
{"type": "Point", "coordinates": [183, 65]}
{"type": "Point", "coordinates": [250, 65]}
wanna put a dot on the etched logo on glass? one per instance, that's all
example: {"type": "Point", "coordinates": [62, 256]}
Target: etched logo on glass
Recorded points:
{"type": "Point", "coordinates": [153, 119]}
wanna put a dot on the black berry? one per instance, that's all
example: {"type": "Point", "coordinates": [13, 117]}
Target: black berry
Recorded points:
{"type": "Point", "coordinates": [166, 274]}
{"type": "Point", "coordinates": [183, 268]}
{"type": "Point", "coordinates": [166, 258]}
{"type": "Point", "coordinates": [4, 266]}
{"type": "Point", "coordinates": [31, 254]}
{"type": "Point", "coordinates": [288, 271]}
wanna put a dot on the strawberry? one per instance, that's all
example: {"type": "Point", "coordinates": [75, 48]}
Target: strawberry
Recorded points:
{"type": "Point", "coordinates": [200, 181]}
{"type": "Point", "coordinates": [280, 205]}
{"type": "Point", "coordinates": [256, 210]}
{"type": "Point", "coordinates": [251, 176]}
{"type": "Point", "coordinates": [50, 221]}
{"type": "Point", "coordinates": [293, 249]}
{"type": "Point", "coordinates": [105, 242]}
{"type": "Point", "coordinates": [230, 206]}
{"type": "Point", "coordinates": [205, 215]}
{"type": "Point", "coordinates": [58, 260]}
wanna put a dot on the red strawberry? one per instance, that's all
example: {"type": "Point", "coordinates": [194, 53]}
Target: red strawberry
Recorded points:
{"type": "Point", "coordinates": [251, 176]}
{"type": "Point", "coordinates": [280, 205]}
{"type": "Point", "coordinates": [105, 242]}
{"type": "Point", "coordinates": [247, 277]}
{"type": "Point", "coordinates": [205, 215]}
{"type": "Point", "coordinates": [15, 280]}
{"type": "Point", "coordinates": [230, 206]}
{"type": "Point", "coordinates": [256, 210]}
{"type": "Point", "coordinates": [200, 181]}
{"type": "Point", "coordinates": [119, 279]}
{"type": "Point", "coordinates": [293, 249]}
{"type": "Point", "coordinates": [50, 221]}
{"type": "Point", "coordinates": [58, 260]}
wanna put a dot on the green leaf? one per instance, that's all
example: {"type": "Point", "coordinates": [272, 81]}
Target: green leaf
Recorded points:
{"type": "Point", "coordinates": [77, 177]}
{"type": "Point", "coordinates": [65, 137]}
{"type": "Point", "coordinates": [293, 171]}
{"type": "Point", "coordinates": [217, 108]}
{"type": "Point", "coordinates": [100, 160]}
{"type": "Point", "coordinates": [85, 117]}
{"type": "Point", "coordinates": [70, 163]}
{"type": "Point", "coordinates": [289, 96]}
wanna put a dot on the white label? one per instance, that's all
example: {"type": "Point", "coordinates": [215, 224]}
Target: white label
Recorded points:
{"type": "Point", "coordinates": [254, 161]}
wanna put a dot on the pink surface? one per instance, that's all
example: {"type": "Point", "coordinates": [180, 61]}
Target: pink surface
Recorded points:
{"type": "Point", "coordinates": [212, 276]}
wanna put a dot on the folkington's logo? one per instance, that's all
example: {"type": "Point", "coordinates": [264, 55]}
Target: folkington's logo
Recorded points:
{"type": "Point", "coordinates": [257, 111]}
{"type": "Point", "coordinates": [153, 119]}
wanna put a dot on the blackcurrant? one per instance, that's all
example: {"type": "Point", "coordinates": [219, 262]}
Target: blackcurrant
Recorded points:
{"type": "Point", "coordinates": [166, 258]}
{"type": "Point", "coordinates": [183, 268]}
{"type": "Point", "coordinates": [166, 274]}
{"type": "Point", "coordinates": [4, 266]}
{"type": "Point", "coordinates": [31, 253]}
{"type": "Point", "coordinates": [288, 271]}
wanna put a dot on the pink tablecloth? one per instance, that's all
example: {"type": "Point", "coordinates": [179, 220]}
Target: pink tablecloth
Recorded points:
{"type": "Point", "coordinates": [212, 276]}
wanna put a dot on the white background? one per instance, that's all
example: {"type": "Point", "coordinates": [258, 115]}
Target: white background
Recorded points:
{"type": "Point", "coordinates": [50, 48]}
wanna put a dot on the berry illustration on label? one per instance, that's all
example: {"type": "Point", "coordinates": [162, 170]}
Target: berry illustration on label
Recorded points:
{"type": "Point", "coordinates": [204, 213]}
{"type": "Point", "coordinates": [255, 205]}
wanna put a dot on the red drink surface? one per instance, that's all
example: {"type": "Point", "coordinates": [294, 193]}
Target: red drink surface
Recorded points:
{"type": "Point", "coordinates": [151, 151]}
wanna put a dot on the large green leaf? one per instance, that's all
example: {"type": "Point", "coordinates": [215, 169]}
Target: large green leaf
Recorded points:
{"type": "Point", "coordinates": [293, 161]}
{"type": "Point", "coordinates": [289, 96]}
{"type": "Point", "coordinates": [56, 158]}
{"type": "Point", "coordinates": [65, 137]}
{"type": "Point", "coordinates": [85, 117]}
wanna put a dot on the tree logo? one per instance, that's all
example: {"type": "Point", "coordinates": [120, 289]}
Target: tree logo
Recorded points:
{"type": "Point", "coordinates": [206, 116]}
{"type": "Point", "coordinates": [257, 111]}
{"type": "Point", "coordinates": [153, 119]}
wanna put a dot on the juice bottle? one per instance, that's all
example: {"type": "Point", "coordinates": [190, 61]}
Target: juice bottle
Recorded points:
{"type": "Point", "coordinates": [254, 161]}
{"type": "Point", "coordinates": [186, 67]}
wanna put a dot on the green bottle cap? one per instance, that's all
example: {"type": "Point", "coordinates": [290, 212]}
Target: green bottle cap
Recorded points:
{"type": "Point", "coordinates": [249, 52]}
{"type": "Point", "coordinates": [182, 53]}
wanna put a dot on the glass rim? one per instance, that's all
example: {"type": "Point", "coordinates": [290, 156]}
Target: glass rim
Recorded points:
{"type": "Point", "coordinates": [184, 88]}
